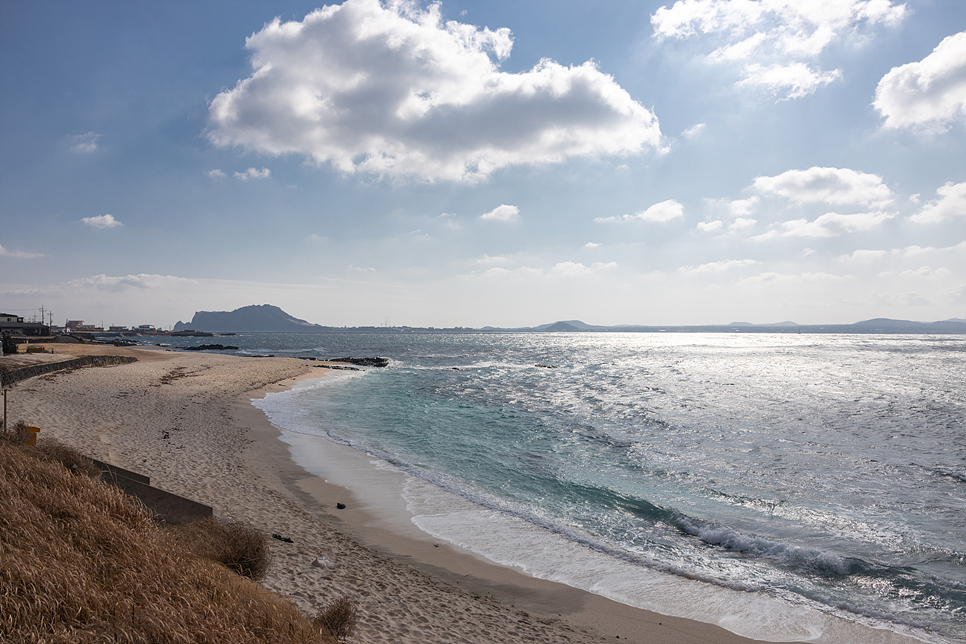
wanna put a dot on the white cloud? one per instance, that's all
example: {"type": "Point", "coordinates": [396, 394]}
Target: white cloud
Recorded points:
{"type": "Point", "coordinates": [830, 185]}
{"type": "Point", "coordinates": [920, 251]}
{"type": "Point", "coordinates": [360, 269]}
{"type": "Point", "coordinates": [216, 173]}
{"type": "Point", "coordinates": [502, 212]}
{"type": "Point", "coordinates": [742, 207]}
{"type": "Point", "coordinates": [573, 269]}
{"type": "Point", "coordinates": [951, 204]}
{"type": "Point", "coordinates": [742, 224]}
{"type": "Point", "coordinates": [591, 245]}
{"type": "Point", "coordinates": [694, 131]}
{"type": "Point", "coordinates": [102, 221]}
{"type": "Point", "coordinates": [768, 39]}
{"type": "Point", "coordinates": [17, 254]}
{"type": "Point", "coordinates": [84, 143]}
{"type": "Point", "coordinates": [487, 259]}
{"type": "Point", "coordinates": [831, 224]}
{"type": "Point", "coordinates": [930, 93]}
{"type": "Point", "coordinates": [253, 173]}
{"type": "Point", "coordinates": [710, 226]}
{"type": "Point", "coordinates": [395, 91]}
{"type": "Point", "coordinates": [794, 80]}
{"type": "Point", "coordinates": [867, 255]}
{"type": "Point", "coordinates": [718, 267]}
{"type": "Point", "coordinates": [660, 212]}
{"type": "Point", "coordinates": [141, 282]}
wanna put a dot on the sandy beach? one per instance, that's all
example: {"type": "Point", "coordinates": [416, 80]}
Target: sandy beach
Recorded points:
{"type": "Point", "coordinates": [186, 421]}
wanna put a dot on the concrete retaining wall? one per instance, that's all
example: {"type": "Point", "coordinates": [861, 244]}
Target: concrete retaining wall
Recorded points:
{"type": "Point", "coordinates": [8, 378]}
{"type": "Point", "coordinates": [169, 507]}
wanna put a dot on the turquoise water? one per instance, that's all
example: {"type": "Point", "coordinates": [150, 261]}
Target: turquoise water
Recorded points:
{"type": "Point", "coordinates": [826, 472]}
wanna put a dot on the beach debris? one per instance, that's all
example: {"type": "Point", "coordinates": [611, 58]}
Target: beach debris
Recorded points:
{"type": "Point", "coordinates": [323, 562]}
{"type": "Point", "coordinates": [340, 506]}
{"type": "Point", "coordinates": [281, 538]}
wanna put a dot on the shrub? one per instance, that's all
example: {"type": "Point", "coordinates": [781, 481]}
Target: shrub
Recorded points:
{"type": "Point", "coordinates": [18, 434]}
{"type": "Point", "coordinates": [338, 618]}
{"type": "Point", "coordinates": [239, 547]}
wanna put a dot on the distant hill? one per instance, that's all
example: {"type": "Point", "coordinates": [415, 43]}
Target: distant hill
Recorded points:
{"type": "Point", "coordinates": [253, 318]}
{"type": "Point", "coordinates": [559, 327]}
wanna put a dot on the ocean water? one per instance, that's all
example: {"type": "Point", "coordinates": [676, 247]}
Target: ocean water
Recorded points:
{"type": "Point", "coordinates": [783, 486]}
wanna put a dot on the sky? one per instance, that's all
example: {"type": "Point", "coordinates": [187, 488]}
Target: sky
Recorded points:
{"type": "Point", "coordinates": [473, 164]}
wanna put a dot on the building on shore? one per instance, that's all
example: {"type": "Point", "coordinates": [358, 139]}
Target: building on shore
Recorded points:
{"type": "Point", "coordinates": [15, 325]}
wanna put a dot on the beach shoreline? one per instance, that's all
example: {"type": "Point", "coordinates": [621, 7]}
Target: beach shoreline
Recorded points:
{"type": "Point", "coordinates": [187, 420]}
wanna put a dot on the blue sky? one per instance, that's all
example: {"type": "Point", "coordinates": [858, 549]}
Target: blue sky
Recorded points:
{"type": "Point", "coordinates": [497, 163]}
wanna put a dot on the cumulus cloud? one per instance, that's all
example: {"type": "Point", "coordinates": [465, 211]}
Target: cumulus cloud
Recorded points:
{"type": "Point", "coordinates": [253, 173]}
{"type": "Point", "coordinates": [660, 212]}
{"type": "Point", "coordinates": [742, 224]}
{"type": "Point", "coordinates": [502, 212]}
{"type": "Point", "coordinates": [216, 173]}
{"type": "Point", "coordinates": [831, 224]}
{"type": "Point", "coordinates": [792, 81]}
{"type": "Point", "coordinates": [591, 245]}
{"type": "Point", "coordinates": [17, 254]}
{"type": "Point", "coordinates": [718, 267]}
{"type": "Point", "coordinates": [830, 185]}
{"type": "Point", "coordinates": [742, 207]}
{"type": "Point", "coordinates": [393, 90]}
{"type": "Point", "coordinates": [102, 221]}
{"type": "Point", "coordinates": [769, 39]}
{"type": "Point", "coordinates": [83, 143]}
{"type": "Point", "coordinates": [950, 204]}
{"type": "Point", "coordinates": [928, 94]}
{"type": "Point", "coordinates": [710, 226]}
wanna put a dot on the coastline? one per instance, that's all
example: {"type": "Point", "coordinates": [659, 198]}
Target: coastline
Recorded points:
{"type": "Point", "coordinates": [187, 421]}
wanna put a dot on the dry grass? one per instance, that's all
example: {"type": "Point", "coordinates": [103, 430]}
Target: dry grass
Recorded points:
{"type": "Point", "coordinates": [54, 451]}
{"type": "Point", "coordinates": [339, 618]}
{"type": "Point", "coordinates": [18, 433]}
{"type": "Point", "coordinates": [239, 547]}
{"type": "Point", "coordinates": [81, 562]}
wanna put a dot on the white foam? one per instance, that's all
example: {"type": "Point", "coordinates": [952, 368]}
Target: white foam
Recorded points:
{"type": "Point", "coordinates": [418, 509]}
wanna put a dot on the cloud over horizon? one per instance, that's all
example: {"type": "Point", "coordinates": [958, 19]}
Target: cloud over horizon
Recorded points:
{"type": "Point", "coordinates": [396, 92]}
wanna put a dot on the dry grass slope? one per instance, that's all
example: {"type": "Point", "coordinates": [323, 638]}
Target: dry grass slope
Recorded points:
{"type": "Point", "coordinates": [81, 562]}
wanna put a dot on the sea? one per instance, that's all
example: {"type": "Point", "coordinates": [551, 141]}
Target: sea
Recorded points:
{"type": "Point", "coordinates": [805, 487]}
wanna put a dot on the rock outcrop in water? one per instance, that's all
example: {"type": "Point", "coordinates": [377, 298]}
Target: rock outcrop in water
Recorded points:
{"type": "Point", "coordinates": [364, 362]}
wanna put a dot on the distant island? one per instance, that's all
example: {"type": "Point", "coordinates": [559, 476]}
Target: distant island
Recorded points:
{"type": "Point", "coordinates": [254, 318]}
{"type": "Point", "coordinates": [268, 318]}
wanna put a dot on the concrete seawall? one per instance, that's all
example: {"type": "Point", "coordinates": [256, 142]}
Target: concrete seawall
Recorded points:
{"type": "Point", "coordinates": [8, 378]}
